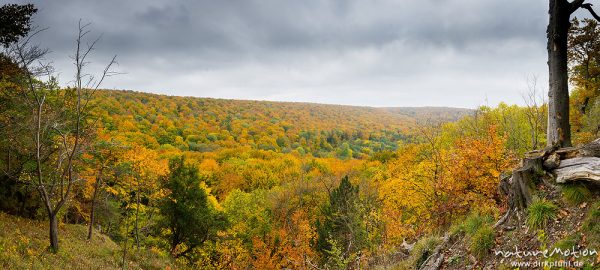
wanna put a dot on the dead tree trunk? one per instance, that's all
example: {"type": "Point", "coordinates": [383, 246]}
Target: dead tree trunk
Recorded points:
{"type": "Point", "coordinates": [518, 187]}
{"type": "Point", "coordinates": [559, 129]}
{"type": "Point", "coordinates": [435, 260]}
{"type": "Point", "coordinates": [563, 164]}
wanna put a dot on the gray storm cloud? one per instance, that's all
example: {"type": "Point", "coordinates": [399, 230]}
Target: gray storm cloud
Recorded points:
{"type": "Point", "coordinates": [378, 53]}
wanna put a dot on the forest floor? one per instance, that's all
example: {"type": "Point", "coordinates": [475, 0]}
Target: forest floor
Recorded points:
{"type": "Point", "coordinates": [573, 231]}
{"type": "Point", "coordinates": [24, 245]}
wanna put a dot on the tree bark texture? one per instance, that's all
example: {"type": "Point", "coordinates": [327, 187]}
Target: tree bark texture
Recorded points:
{"type": "Point", "coordinates": [92, 211]}
{"type": "Point", "coordinates": [559, 129]}
{"type": "Point", "coordinates": [53, 232]}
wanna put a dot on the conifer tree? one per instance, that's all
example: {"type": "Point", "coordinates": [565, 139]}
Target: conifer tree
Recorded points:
{"type": "Point", "coordinates": [188, 214]}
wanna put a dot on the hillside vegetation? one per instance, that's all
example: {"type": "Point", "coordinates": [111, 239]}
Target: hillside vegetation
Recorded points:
{"type": "Point", "coordinates": [424, 114]}
{"type": "Point", "coordinates": [268, 184]}
{"type": "Point", "coordinates": [271, 170]}
{"type": "Point", "coordinates": [24, 245]}
{"type": "Point", "coordinates": [273, 181]}
{"type": "Point", "coordinates": [160, 181]}
{"type": "Point", "coordinates": [205, 124]}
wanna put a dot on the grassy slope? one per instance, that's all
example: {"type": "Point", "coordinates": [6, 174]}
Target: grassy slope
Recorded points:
{"type": "Point", "coordinates": [24, 242]}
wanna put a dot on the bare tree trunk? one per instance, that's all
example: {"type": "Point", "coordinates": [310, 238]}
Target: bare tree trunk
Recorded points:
{"type": "Point", "coordinates": [124, 263]}
{"type": "Point", "coordinates": [519, 186]}
{"type": "Point", "coordinates": [137, 215]}
{"type": "Point", "coordinates": [126, 233]}
{"type": "Point", "coordinates": [92, 211]}
{"type": "Point", "coordinates": [53, 232]}
{"type": "Point", "coordinates": [559, 129]}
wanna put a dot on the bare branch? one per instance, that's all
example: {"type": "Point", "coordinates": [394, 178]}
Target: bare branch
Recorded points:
{"type": "Point", "coordinates": [576, 4]}
{"type": "Point", "coordinates": [588, 6]}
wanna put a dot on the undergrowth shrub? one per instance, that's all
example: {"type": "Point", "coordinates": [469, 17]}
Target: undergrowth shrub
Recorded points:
{"type": "Point", "coordinates": [566, 244]}
{"type": "Point", "coordinates": [482, 241]}
{"type": "Point", "coordinates": [591, 224]}
{"type": "Point", "coordinates": [478, 229]}
{"type": "Point", "coordinates": [472, 223]}
{"type": "Point", "coordinates": [420, 252]}
{"type": "Point", "coordinates": [575, 193]}
{"type": "Point", "coordinates": [540, 212]}
{"type": "Point", "coordinates": [475, 221]}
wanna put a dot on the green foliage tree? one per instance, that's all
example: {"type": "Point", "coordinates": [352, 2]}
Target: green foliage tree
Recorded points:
{"type": "Point", "coordinates": [342, 234]}
{"type": "Point", "coordinates": [17, 197]}
{"type": "Point", "coordinates": [345, 152]}
{"type": "Point", "coordinates": [15, 22]}
{"type": "Point", "coordinates": [188, 214]}
{"type": "Point", "coordinates": [102, 161]}
{"type": "Point", "coordinates": [53, 124]}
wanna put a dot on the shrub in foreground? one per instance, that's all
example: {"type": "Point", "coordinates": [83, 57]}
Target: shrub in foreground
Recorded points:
{"type": "Point", "coordinates": [540, 212]}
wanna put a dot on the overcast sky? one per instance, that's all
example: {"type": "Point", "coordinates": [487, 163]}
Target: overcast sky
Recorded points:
{"type": "Point", "coordinates": [459, 53]}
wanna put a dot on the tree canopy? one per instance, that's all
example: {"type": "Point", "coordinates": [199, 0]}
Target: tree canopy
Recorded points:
{"type": "Point", "coordinates": [15, 22]}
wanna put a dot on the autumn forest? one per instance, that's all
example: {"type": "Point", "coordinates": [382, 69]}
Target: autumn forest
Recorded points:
{"type": "Point", "coordinates": [148, 181]}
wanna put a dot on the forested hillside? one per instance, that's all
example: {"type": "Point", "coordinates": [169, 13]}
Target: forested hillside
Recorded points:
{"type": "Point", "coordinates": [269, 177]}
{"type": "Point", "coordinates": [204, 125]}
{"type": "Point", "coordinates": [424, 114]}
{"type": "Point", "coordinates": [93, 178]}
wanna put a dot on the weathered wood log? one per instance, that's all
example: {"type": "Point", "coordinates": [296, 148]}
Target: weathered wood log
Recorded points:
{"type": "Point", "coordinates": [567, 164]}
{"type": "Point", "coordinates": [543, 153]}
{"type": "Point", "coordinates": [591, 149]}
{"type": "Point", "coordinates": [518, 187]}
{"type": "Point", "coordinates": [581, 168]}
{"type": "Point", "coordinates": [568, 152]}
{"type": "Point", "coordinates": [523, 180]}
{"type": "Point", "coordinates": [504, 218]}
{"type": "Point", "coordinates": [407, 246]}
{"type": "Point", "coordinates": [552, 162]}
{"type": "Point", "coordinates": [588, 150]}
{"type": "Point", "coordinates": [436, 259]}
